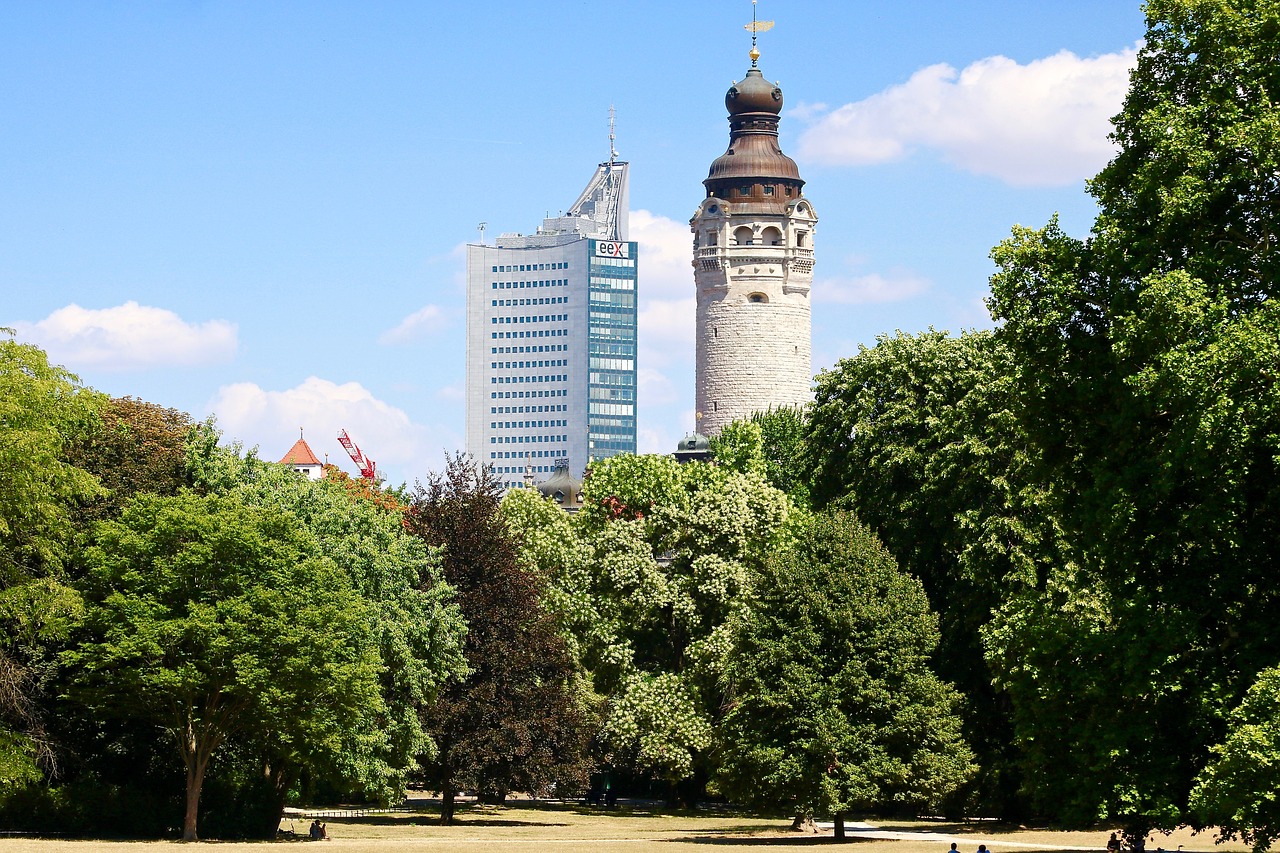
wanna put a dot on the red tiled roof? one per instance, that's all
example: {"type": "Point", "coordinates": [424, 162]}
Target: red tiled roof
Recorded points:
{"type": "Point", "coordinates": [300, 454]}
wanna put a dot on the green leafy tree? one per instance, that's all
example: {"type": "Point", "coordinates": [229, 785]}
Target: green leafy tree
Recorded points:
{"type": "Point", "coordinates": [549, 547]}
{"type": "Point", "coordinates": [43, 410]}
{"type": "Point", "coordinates": [833, 705]}
{"type": "Point", "coordinates": [518, 721]}
{"type": "Point", "coordinates": [647, 576]}
{"type": "Point", "coordinates": [38, 615]}
{"type": "Point", "coordinates": [771, 443]}
{"type": "Point", "coordinates": [221, 622]}
{"type": "Point", "coordinates": [1144, 368]}
{"type": "Point", "coordinates": [918, 435]}
{"type": "Point", "coordinates": [417, 626]}
{"type": "Point", "coordinates": [1237, 791]}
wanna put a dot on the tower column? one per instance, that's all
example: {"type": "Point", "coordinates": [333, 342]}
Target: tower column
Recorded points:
{"type": "Point", "coordinates": [753, 267]}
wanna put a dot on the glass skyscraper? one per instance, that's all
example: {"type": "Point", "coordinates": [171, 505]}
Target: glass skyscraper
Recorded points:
{"type": "Point", "coordinates": [551, 339]}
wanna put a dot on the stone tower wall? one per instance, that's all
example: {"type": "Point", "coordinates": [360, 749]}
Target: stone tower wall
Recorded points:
{"type": "Point", "coordinates": [753, 316]}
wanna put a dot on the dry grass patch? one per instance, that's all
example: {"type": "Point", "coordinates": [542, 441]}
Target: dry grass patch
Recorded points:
{"type": "Point", "coordinates": [543, 828]}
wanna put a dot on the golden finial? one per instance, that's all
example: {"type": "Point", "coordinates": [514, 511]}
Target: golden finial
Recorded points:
{"type": "Point", "coordinates": [756, 27]}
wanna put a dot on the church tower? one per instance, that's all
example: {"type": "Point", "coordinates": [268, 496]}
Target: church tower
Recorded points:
{"type": "Point", "coordinates": [753, 265]}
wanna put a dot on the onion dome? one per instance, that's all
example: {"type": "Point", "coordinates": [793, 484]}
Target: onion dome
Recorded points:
{"type": "Point", "coordinates": [753, 94]}
{"type": "Point", "coordinates": [694, 447]}
{"type": "Point", "coordinates": [753, 173]}
{"type": "Point", "coordinates": [562, 488]}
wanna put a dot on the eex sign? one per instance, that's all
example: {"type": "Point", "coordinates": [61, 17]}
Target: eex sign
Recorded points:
{"type": "Point", "coordinates": [607, 249]}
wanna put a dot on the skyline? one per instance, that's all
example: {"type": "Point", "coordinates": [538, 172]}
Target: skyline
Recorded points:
{"type": "Point", "coordinates": [263, 212]}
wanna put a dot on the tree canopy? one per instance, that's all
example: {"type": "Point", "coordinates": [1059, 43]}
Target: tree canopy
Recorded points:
{"type": "Point", "coordinates": [1143, 366]}
{"type": "Point", "coordinates": [918, 436]}
{"type": "Point", "coordinates": [832, 705]}
{"type": "Point", "coordinates": [43, 410]}
{"type": "Point", "coordinates": [218, 621]}
{"type": "Point", "coordinates": [135, 447]}
{"type": "Point", "coordinates": [518, 720]}
{"type": "Point", "coordinates": [1237, 791]}
{"type": "Point", "coordinates": [660, 561]}
{"type": "Point", "coordinates": [411, 613]}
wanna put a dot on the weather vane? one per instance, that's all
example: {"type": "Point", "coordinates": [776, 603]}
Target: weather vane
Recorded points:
{"type": "Point", "coordinates": [755, 28]}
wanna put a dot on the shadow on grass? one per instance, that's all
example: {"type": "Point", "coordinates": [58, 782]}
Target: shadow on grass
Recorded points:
{"type": "Point", "coordinates": [427, 818]}
{"type": "Point", "coordinates": [773, 841]}
{"type": "Point", "coordinates": [622, 810]}
{"type": "Point", "coordinates": [940, 828]}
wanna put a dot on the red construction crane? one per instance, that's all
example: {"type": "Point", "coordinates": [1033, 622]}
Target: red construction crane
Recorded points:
{"type": "Point", "coordinates": [368, 469]}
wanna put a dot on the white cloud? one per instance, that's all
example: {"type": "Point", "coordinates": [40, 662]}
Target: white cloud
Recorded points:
{"type": "Point", "coordinates": [655, 387]}
{"type": "Point", "coordinates": [1040, 124]}
{"type": "Point", "coordinates": [666, 251]}
{"type": "Point", "coordinates": [403, 450]}
{"type": "Point", "coordinates": [422, 322]}
{"type": "Point", "coordinates": [667, 323]}
{"type": "Point", "coordinates": [130, 337]}
{"type": "Point", "coordinates": [667, 329]}
{"type": "Point", "coordinates": [899, 285]}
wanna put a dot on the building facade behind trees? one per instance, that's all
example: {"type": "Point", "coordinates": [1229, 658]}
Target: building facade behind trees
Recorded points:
{"type": "Point", "coordinates": [551, 338]}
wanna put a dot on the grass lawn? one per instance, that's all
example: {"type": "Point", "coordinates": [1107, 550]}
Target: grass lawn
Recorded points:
{"type": "Point", "coordinates": [546, 828]}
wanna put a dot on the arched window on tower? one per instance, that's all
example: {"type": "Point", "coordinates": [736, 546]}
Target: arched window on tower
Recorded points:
{"type": "Point", "coordinates": [757, 297]}
{"type": "Point", "coordinates": [771, 236]}
{"type": "Point", "coordinates": [742, 236]}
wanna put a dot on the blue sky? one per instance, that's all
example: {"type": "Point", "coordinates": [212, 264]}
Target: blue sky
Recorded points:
{"type": "Point", "coordinates": [258, 210]}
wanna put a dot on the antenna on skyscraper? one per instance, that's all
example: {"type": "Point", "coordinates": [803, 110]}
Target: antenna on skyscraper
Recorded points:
{"type": "Point", "coordinates": [481, 228]}
{"type": "Point", "coordinates": [756, 27]}
{"type": "Point", "coordinates": [613, 152]}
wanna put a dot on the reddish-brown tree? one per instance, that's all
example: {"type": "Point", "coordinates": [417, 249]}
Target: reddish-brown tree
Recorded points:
{"type": "Point", "coordinates": [517, 722]}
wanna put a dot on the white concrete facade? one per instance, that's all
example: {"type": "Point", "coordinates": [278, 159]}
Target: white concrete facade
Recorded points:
{"type": "Point", "coordinates": [551, 322]}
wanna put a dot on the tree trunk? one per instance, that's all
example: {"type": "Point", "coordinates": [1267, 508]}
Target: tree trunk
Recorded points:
{"type": "Point", "coordinates": [803, 823]}
{"type": "Point", "coordinates": [446, 804]}
{"type": "Point", "coordinates": [196, 765]}
{"type": "Point", "coordinates": [280, 781]}
{"type": "Point", "coordinates": [839, 821]}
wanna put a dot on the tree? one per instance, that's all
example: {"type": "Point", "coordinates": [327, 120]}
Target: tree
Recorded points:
{"type": "Point", "coordinates": [137, 447]}
{"type": "Point", "coordinates": [770, 443]}
{"type": "Point", "coordinates": [918, 436]}
{"type": "Point", "coordinates": [411, 614]}
{"type": "Point", "coordinates": [647, 576]}
{"type": "Point", "coordinates": [43, 409]}
{"type": "Point", "coordinates": [1236, 792]}
{"type": "Point", "coordinates": [1144, 378]}
{"type": "Point", "coordinates": [517, 721]}
{"type": "Point", "coordinates": [833, 707]}
{"type": "Point", "coordinates": [220, 622]}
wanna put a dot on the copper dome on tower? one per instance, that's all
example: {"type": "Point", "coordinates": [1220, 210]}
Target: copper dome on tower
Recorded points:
{"type": "Point", "coordinates": [753, 94]}
{"type": "Point", "coordinates": [753, 173]}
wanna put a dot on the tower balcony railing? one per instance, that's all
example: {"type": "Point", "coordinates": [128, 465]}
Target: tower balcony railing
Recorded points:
{"type": "Point", "coordinates": [754, 250]}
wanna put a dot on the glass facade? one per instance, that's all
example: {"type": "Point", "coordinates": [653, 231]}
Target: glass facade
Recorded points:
{"type": "Point", "coordinates": [611, 352]}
